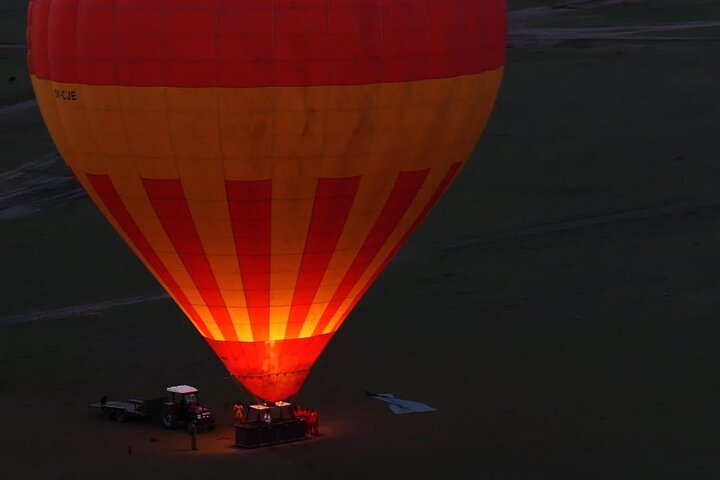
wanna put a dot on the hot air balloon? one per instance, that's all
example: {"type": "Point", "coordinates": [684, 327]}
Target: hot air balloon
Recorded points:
{"type": "Point", "coordinates": [265, 159]}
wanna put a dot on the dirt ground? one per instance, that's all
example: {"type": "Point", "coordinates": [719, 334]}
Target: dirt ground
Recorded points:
{"type": "Point", "coordinates": [559, 307]}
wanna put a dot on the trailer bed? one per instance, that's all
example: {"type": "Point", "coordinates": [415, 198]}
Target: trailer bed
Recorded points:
{"type": "Point", "coordinates": [119, 409]}
{"type": "Point", "coordinates": [134, 407]}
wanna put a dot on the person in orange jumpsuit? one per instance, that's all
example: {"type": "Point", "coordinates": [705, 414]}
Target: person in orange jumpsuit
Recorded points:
{"type": "Point", "coordinates": [314, 422]}
{"type": "Point", "coordinates": [239, 412]}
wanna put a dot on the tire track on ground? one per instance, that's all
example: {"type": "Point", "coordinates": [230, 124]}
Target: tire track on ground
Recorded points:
{"type": "Point", "coordinates": [18, 107]}
{"type": "Point", "coordinates": [37, 185]}
{"type": "Point", "coordinates": [81, 310]}
{"type": "Point", "coordinates": [548, 36]}
{"type": "Point", "coordinates": [505, 237]}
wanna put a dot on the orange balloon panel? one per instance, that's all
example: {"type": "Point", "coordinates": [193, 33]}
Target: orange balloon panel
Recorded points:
{"type": "Point", "coordinates": [265, 209]}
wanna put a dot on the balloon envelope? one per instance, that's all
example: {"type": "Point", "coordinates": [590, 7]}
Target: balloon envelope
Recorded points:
{"type": "Point", "coordinates": [266, 159]}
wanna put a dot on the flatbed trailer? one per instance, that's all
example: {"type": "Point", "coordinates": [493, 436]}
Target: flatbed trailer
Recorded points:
{"type": "Point", "coordinates": [121, 410]}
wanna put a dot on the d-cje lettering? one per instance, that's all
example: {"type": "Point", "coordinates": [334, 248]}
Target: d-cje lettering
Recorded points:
{"type": "Point", "coordinates": [70, 95]}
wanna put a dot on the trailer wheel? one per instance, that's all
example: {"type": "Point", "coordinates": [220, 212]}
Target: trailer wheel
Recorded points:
{"type": "Point", "coordinates": [119, 416]}
{"type": "Point", "coordinates": [168, 419]}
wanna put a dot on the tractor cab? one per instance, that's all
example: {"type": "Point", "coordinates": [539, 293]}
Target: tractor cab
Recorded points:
{"type": "Point", "coordinates": [183, 394]}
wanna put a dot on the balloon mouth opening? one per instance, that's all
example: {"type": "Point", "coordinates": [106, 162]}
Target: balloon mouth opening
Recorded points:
{"type": "Point", "coordinates": [274, 387]}
{"type": "Point", "coordinates": [271, 370]}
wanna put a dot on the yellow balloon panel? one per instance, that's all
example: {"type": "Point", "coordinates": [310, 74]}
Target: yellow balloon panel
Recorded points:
{"type": "Point", "coordinates": [266, 212]}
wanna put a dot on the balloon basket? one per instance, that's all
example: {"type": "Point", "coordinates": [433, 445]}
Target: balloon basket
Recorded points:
{"type": "Point", "coordinates": [267, 425]}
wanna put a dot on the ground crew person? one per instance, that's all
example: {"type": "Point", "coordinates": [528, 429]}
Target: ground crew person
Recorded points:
{"type": "Point", "coordinates": [192, 431]}
{"type": "Point", "coordinates": [314, 422]}
{"type": "Point", "coordinates": [239, 412]}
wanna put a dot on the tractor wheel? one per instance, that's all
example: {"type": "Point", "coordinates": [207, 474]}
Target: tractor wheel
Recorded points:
{"type": "Point", "coordinates": [168, 419]}
{"type": "Point", "coordinates": [119, 416]}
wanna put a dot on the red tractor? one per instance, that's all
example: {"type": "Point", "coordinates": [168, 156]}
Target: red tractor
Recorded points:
{"type": "Point", "coordinates": [183, 406]}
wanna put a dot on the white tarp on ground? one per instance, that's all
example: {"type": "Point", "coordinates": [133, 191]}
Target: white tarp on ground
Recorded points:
{"type": "Point", "coordinates": [399, 405]}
